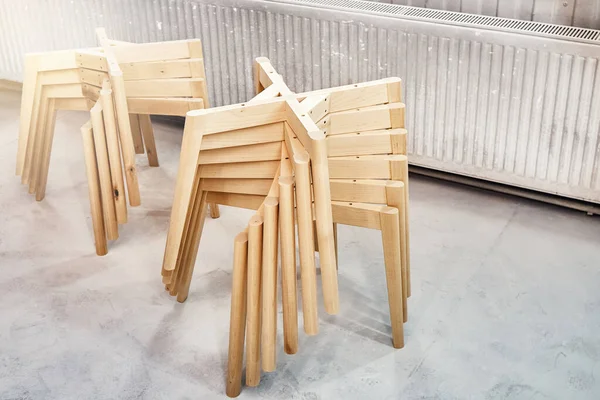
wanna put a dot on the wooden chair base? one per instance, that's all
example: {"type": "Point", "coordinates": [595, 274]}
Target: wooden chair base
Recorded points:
{"type": "Point", "coordinates": [121, 84]}
{"type": "Point", "coordinates": [313, 160]}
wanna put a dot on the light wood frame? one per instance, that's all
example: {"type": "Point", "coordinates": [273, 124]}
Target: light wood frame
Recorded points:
{"type": "Point", "coordinates": [294, 159]}
{"type": "Point", "coordinates": [165, 78]}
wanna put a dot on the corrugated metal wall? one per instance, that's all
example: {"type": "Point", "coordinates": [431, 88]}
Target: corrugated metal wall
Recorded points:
{"type": "Point", "coordinates": [517, 109]}
{"type": "Point", "coordinates": [582, 13]}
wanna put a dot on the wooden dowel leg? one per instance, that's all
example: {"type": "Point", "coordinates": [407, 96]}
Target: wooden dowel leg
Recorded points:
{"type": "Point", "coordinates": [255, 248]}
{"type": "Point", "coordinates": [237, 319]}
{"type": "Point", "coordinates": [40, 138]}
{"type": "Point", "coordinates": [214, 210]}
{"type": "Point", "coordinates": [404, 251]}
{"type": "Point", "coordinates": [91, 169]}
{"type": "Point", "coordinates": [335, 244]}
{"type": "Point", "coordinates": [390, 233]}
{"type": "Point", "coordinates": [136, 133]}
{"type": "Point", "coordinates": [30, 73]}
{"type": "Point", "coordinates": [114, 155]}
{"type": "Point", "coordinates": [269, 285]}
{"type": "Point", "coordinates": [149, 143]}
{"type": "Point", "coordinates": [404, 169]}
{"type": "Point", "coordinates": [191, 216]}
{"type": "Point", "coordinates": [167, 278]}
{"type": "Point", "coordinates": [308, 271]}
{"type": "Point", "coordinates": [395, 197]}
{"type": "Point", "coordinates": [127, 146]}
{"type": "Point", "coordinates": [184, 189]}
{"type": "Point", "coordinates": [315, 237]}
{"type": "Point", "coordinates": [32, 135]}
{"type": "Point", "coordinates": [191, 220]}
{"type": "Point", "coordinates": [172, 287]}
{"type": "Point", "coordinates": [324, 218]}
{"type": "Point", "coordinates": [288, 264]}
{"type": "Point", "coordinates": [189, 260]}
{"type": "Point", "coordinates": [48, 137]}
{"type": "Point", "coordinates": [108, 204]}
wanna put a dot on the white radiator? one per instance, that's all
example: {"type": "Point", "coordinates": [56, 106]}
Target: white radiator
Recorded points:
{"type": "Point", "coordinates": [516, 102]}
{"type": "Point", "coordinates": [583, 13]}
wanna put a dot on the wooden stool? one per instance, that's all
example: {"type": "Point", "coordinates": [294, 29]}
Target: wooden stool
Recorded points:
{"type": "Point", "coordinates": [130, 82]}
{"type": "Point", "coordinates": [332, 156]}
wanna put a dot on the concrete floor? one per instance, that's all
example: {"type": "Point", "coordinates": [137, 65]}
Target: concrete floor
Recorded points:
{"type": "Point", "coordinates": [505, 303]}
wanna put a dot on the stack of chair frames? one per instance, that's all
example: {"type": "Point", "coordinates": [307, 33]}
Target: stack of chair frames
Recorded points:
{"type": "Point", "coordinates": [103, 169]}
{"type": "Point", "coordinates": [324, 157]}
{"type": "Point", "coordinates": [165, 78]}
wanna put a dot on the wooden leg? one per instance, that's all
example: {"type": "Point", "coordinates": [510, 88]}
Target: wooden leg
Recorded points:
{"type": "Point", "coordinates": [114, 155]}
{"type": "Point", "coordinates": [108, 203]}
{"type": "Point", "coordinates": [184, 249]}
{"type": "Point", "coordinates": [255, 248]}
{"type": "Point", "coordinates": [40, 136]}
{"type": "Point", "coordinates": [308, 270]}
{"type": "Point", "coordinates": [407, 223]}
{"type": "Point", "coordinates": [190, 260]}
{"type": "Point", "coordinates": [91, 169]}
{"type": "Point", "coordinates": [127, 146]}
{"type": "Point", "coordinates": [395, 197]}
{"type": "Point", "coordinates": [288, 265]}
{"type": "Point", "coordinates": [320, 174]}
{"type": "Point", "coordinates": [269, 285]}
{"type": "Point", "coordinates": [315, 238]}
{"type": "Point", "coordinates": [148, 134]}
{"type": "Point", "coordinates": [390, 233]}
{"type": "Point", "coordinates": [136, 133]}
{"type": "Point", "coordinates": [335, 244]}
{"type": "Point", "coordinates": [237, 319]}
{"type": "Point", "coordinates": [30, 73]}
{"type": "Point", "coordinates": [31, 137]}
{"type": "Point", "coordinates": [214, 210]}
{"type": "Point", "coordinates": [404, 251]}
{"type": "Point", "coordinates": [48, 137]}
{"type": "Point", "coordinates": [167, 277]}
{"type": "Point", "coordinates": [184, 188]}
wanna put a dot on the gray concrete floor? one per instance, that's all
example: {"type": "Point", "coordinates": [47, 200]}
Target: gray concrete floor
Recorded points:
{"type": "Point", "coordinates": [505, 303]}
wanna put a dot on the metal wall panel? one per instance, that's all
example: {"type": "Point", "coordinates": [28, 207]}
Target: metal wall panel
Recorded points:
{"type": "Point", "coordinates": [521, 9]}
{"type": "Point", "coordinates": [587, 14]}
{"type": "Point", "coordinates": [582, 13]}
{"type": "Point", "coordinates": [555, 11]}
{"type": "Point", "coordinates": [521, 109]}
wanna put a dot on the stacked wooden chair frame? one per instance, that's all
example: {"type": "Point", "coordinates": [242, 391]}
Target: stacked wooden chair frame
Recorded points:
{"type": "Point", "coordinates": [121, 84]}
{"type": "Point", "coordinates": [333, 156]}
